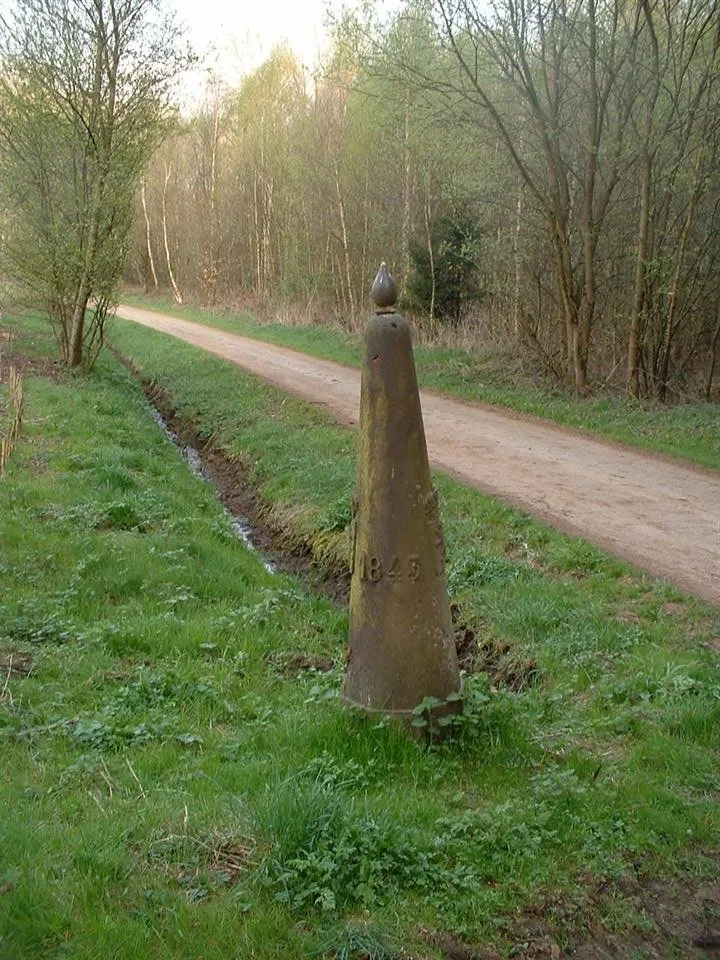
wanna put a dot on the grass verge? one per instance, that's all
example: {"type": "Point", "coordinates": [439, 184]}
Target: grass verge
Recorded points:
{"type": "Point", "coordinates": [183, 785]}
{"type": "Point", "coordinates": [687, 431]}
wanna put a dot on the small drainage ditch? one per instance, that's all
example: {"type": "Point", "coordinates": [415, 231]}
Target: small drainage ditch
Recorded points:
{"type": "Point", "coordinates": [241, 525]}
{"type": "Point", "coordinates": [279, 549]}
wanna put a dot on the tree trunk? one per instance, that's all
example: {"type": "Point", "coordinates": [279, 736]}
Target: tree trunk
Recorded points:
{"type": "Point", "coordinates": [176, 290]}
{"type": "Point", "coordinates": [214, 253]}
{"type": "Point", "coordinates": [713, 354]}
{"type": "Point", "coordinates": [680, 250]}
{"type": "Point", "coordinates": [638, 304]}
{"type": "Point", "coordinates": [82, 297]}
{"type": "Point", "coordinates": [405, 236]}
{"type": "Point", "coordinates": [258, 241]}
{"type": "Point", "coordinates": [516, 261]}
{"type": "Point", "coordinates": [648, 155]}
{"type": "Point", "coordinates": [151, 259]}
{"type": "Point", "coordinates": [267, 258]}
{"type": "Point", "coordinates": [78, 329]}
{"type": "Point", "coordinates": [366, 227]}
{"type": "Point", "coordinates": [576, 355]}
{"type": "Point", "coordinates": [346, 246]}
{"type": "Point", "coordinates": [586, 314]}
{"type": "Point", "coordinates": [431, 253]}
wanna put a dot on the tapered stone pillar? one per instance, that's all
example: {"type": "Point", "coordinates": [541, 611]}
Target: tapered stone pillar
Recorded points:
{"type": "Point", "coordinates": [401, 647]}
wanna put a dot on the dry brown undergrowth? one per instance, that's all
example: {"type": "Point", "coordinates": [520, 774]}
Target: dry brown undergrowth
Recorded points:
{"type": "Point", "coordinates": [8, 441]}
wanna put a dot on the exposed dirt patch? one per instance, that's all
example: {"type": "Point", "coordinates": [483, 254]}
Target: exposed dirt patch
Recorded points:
{"type": "Point", "coordinates": [627, 616]}
{"type": "Point", "coordinates": [466, 644]}
{"type": "Point", "coordinates": [13, 663]}
{"type": "Point", "coordinates": [122, 671]}
{"type": "Point", "coordinates": [452, 947]}
{"type": "Point", "coordinates": [290, 663]}
{"type": "Point", "coordinates": [201, 863]}
{"type": "Point", "coordinates": [478, 654]}
{"type": "Point", "coordinates": [29, 366]}
{"type": "Point", "coordinates": [680, 918]}
{"type": "Point", "coordinates": [664, 918]}
{"type": "Point", "coordinates": [674, 610]}
{"type": "Point", "coordinates": [230, 858]}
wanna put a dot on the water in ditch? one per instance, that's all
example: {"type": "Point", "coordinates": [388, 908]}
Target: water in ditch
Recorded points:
{"type": "Point", "coordinates": [240, 525]}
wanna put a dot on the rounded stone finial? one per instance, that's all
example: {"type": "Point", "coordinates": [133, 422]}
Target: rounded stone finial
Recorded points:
{"type": "Point", "coordinates": [384, 290]}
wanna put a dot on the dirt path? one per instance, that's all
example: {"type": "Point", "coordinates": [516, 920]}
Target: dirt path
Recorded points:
{"type": "Point", "coordinates": [661, 515]}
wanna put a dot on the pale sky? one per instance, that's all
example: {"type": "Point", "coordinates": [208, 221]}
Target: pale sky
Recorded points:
{"type": "Point", "coordinates": [242, 33]}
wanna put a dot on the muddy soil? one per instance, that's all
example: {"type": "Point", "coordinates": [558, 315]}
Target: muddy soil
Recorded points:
{"type": "Point", "coordinates": [678, 919]}
{"type": "Point", "coordinates": [29, 367]}
{"type": "Point", "coordinates": [659, 514]}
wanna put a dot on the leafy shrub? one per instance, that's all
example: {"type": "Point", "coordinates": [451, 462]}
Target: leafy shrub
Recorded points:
{"type": "Point", "coordinates": [454, 268]}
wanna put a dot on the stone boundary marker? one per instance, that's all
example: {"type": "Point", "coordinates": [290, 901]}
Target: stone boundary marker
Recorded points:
{"type": "Point", "coordinates": [401, 645]}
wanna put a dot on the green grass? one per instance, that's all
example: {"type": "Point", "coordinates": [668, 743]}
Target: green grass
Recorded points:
{"type": "Point", "coordinates": [171, 791]}
{"type": "Point", "coordinates": [686, 431]}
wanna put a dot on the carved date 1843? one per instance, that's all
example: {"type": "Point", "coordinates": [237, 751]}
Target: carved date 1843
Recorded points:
{"type": "Point", "coordinates": [373, 569]}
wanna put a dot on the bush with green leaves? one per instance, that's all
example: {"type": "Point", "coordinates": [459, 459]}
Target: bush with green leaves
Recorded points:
{"type": "Point", "coordinates": [449, 281]}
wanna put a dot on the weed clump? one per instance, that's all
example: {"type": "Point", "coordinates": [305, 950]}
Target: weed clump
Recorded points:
{"type": "Point", "coordinates": [332, 849]}
{"type": "Point", "coordinates": [329, 852]}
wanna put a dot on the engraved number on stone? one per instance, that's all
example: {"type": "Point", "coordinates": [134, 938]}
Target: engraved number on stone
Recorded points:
{"type": "Point", "coordinates": [371, 568]}
{"type": "Point", "coordinates": [375, 570]}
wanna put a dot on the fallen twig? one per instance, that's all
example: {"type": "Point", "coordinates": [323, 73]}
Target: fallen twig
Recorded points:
{"type": "Point", "coordinates": [135, 778]}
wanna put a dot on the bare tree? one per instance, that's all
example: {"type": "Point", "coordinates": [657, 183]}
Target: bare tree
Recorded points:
{"type": "Point", "coordinates": [85, 86]}
{"type": "Point", "coordinates": [541, 70]}
{"type": "Point", "coordinates": [675, 63]}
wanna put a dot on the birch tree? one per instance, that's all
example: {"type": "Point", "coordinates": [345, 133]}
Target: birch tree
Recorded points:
{"type": "Point", "coordinates": [86, 89]}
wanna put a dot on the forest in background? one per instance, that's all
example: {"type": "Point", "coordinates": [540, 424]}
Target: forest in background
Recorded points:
{"type": "Point", "coordinates": [541, 175]}
{"type": "Point", "coordinates": [547, 173]}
